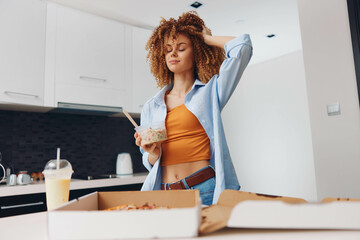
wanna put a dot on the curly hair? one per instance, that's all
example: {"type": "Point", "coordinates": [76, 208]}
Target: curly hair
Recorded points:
{"type": "Point", "coordinates": [207, 59]}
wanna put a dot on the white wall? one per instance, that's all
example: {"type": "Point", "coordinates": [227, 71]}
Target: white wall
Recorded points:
{"type": "Point", "coordinates": [268, 129]}
{"type": "Point", "coordinates": [281, 139]}
{"type": "Point", "coordinates": [330, 77]}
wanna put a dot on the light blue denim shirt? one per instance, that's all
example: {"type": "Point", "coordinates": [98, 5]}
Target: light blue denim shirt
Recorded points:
{"type": "Point", "coordinates": [206, 102]}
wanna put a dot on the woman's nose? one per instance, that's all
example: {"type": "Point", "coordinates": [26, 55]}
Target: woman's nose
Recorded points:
{"type": "Point", "coordinates": [173, 53]}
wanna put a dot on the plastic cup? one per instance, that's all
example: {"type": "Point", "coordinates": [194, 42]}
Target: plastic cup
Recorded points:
{"type": "Point", "coordinates": [57, 183]}
{"type": "Point", "coordinates": [151, 133]}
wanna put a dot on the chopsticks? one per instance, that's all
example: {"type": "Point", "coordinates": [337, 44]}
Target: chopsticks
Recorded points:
{"type": "Point", "coordinates": [130, 118]}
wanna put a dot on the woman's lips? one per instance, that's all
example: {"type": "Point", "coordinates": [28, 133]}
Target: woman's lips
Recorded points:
{"type": "Point", "coordinates": [174, 61]}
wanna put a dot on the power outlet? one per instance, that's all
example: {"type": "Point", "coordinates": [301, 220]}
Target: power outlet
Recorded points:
{"type": "Point", "coordinates": [333, 109]}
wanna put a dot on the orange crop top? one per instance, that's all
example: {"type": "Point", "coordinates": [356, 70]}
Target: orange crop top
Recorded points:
{"type": "Point", "coordinates": [186, 140]}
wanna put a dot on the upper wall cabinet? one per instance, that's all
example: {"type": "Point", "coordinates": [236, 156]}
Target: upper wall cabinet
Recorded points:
{"type": "Point", "coordinates": [85, 58]}
{"type": "Point", "coordinates": [143, 82]}
{"type": "Point", "coordinates": [50, 53]}
{"type": "Point", "coordinates": [22, 51]}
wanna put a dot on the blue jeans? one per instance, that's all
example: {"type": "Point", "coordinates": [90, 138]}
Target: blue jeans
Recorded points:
{"type": "Point", "coordinates": [206, 188]}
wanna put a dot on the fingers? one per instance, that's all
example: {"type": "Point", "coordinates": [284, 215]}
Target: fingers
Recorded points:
{"type": "Point", "coordinates": [138, 142]}
{"type": "Point", "coordinates": [206, 31]}
{"type": "Point", "coordinates": [153, 147]}
{"type": "Point", "coordinates": [137, 139]}
{"type": "Point", "coordinates": [149, 147]}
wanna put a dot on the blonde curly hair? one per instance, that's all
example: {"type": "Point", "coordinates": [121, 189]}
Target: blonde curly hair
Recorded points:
{"type": "Point", "coordinates": [207, 59]}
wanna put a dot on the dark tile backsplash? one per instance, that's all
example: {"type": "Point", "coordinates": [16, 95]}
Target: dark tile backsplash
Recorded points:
{"type": "Point", "coordinates": [91, 143]}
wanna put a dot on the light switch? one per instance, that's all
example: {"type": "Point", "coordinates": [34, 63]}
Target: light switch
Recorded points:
{"type": "Point", "coordinates": [333, 109]}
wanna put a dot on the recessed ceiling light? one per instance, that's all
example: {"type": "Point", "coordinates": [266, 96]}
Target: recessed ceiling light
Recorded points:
{"type": "Point", "coordinates": [196, 4]}
{"type": "Point", "coordinates": [271, 35]}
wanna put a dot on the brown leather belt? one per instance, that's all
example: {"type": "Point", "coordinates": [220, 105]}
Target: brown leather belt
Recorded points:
{"type": "Point", "coordinates": [192, 180]}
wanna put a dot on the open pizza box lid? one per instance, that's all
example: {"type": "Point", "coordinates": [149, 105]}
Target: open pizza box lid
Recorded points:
{"type": "Point", "coordinates": [238, 209]}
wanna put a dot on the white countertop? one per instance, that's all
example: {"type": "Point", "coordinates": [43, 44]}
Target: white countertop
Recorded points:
{"type": "Point", "coordinates": [39, 187]}
{"type": "Point", "coordinates": [34, 227]}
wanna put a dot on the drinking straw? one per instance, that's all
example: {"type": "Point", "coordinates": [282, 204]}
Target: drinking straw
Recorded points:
{"type": "Point", "coordinates": [58, 159]}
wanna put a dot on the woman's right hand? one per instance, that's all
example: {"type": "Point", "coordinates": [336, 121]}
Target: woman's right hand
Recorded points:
{"type": "Point", "coordinates": [206, 33]}
{"type": "Point", "coordinates": [153, 149]}
{"type": "Point", "coordinates": [218, 41]}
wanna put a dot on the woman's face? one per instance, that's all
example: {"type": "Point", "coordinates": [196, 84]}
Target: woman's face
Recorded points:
{"type": "Point", "coordinates": [179, 54]}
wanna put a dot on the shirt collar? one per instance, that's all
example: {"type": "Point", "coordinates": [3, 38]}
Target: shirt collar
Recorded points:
{"type": "Point", "coordinates": [198, 82]}
{"type": "Point", "coordinates": [159, 97]}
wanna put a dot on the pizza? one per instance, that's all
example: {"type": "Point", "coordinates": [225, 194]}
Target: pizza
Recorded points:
{"type": "Point", "coordinates": [132, 206]}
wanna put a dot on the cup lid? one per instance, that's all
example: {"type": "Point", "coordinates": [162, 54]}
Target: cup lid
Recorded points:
{"type": "Point", "coordinates": [64, 165]}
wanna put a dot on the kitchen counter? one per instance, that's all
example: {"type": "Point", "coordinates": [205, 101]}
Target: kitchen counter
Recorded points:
{"type": "Point", "coordinates": [34, 227]}
{"type": "Point", "coordinates": [39, 187]}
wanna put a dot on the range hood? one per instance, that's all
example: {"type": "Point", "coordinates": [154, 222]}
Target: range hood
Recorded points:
{"type": "Point", "coordinates": [76, 108]}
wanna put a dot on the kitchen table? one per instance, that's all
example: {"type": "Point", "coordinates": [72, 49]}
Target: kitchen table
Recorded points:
{"type": "Point", "coordinates": [34, 227]}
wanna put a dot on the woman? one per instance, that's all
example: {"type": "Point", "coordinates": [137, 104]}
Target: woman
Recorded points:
{"type": "Point", "coordinates": [198, 78]}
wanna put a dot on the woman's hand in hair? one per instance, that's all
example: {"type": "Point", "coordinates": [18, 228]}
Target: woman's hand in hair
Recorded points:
{"type": "Point", "coordinates": [206, 33]}
{"type": "Point", "coordinates": [217, 41]}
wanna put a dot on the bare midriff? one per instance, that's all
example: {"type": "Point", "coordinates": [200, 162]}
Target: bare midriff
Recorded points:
{"type": "Point", "coordinates": [176, 172]}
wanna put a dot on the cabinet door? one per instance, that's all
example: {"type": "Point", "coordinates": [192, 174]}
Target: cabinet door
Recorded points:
{"type": "Point", "coordinates": [22, 51]}
{"type": "Point", "coordinates": [22, 204]}
{"type": "Point", "coordinates": [69, 93]}
{"type": "Point", "coordinates": [143, 85]}
{"type": "Point", "coordinates": [89, 50]}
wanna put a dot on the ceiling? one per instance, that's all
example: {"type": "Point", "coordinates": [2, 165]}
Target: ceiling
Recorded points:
{"type": "Point", "coordinates": [259, 18]}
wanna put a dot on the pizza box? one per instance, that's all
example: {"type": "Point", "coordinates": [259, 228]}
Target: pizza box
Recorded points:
{"type": "Point", "coordinates": [84, 218]}
{"type": "Point", "coordinates": [238, 209]}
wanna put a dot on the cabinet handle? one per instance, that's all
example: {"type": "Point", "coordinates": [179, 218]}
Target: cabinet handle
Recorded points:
{"type": "Point", "coordinates": [92, 78]}
{"type": "Point", "coordinates": [22, 94]}
{"type": "Point", "coordinates": [22, 205]}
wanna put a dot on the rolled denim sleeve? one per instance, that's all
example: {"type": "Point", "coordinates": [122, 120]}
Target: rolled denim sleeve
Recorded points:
{"type": "Point", "coordinates": [145, 159]}
{"type": "Point", "coordinates": [144, 119]}
{"type": "Point", "coordinates": [238, 54]}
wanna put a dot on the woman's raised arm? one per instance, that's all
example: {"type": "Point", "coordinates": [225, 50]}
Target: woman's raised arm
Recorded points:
{"type": "Point", "coordinates": [218, 41]}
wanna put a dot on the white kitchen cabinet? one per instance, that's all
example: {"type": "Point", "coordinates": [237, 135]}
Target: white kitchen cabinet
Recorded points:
{"type": "Point", "coordinates": [85, 61]}
{"type": "Point", "coordinates": [22, 51]}
{"type": "Point", "coordinates": [69, 93]}
{"type": "Point", "coordinates": [143, 82]}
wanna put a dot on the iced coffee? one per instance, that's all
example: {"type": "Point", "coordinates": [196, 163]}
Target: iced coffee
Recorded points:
{"type": "Point", "coordinates": [57, 182]}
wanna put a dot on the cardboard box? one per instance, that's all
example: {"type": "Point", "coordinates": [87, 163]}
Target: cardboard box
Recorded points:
{"type": "Point", "coordinates": [83, 219]}
{"type": "Point", "coordinates": [237, 209]}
